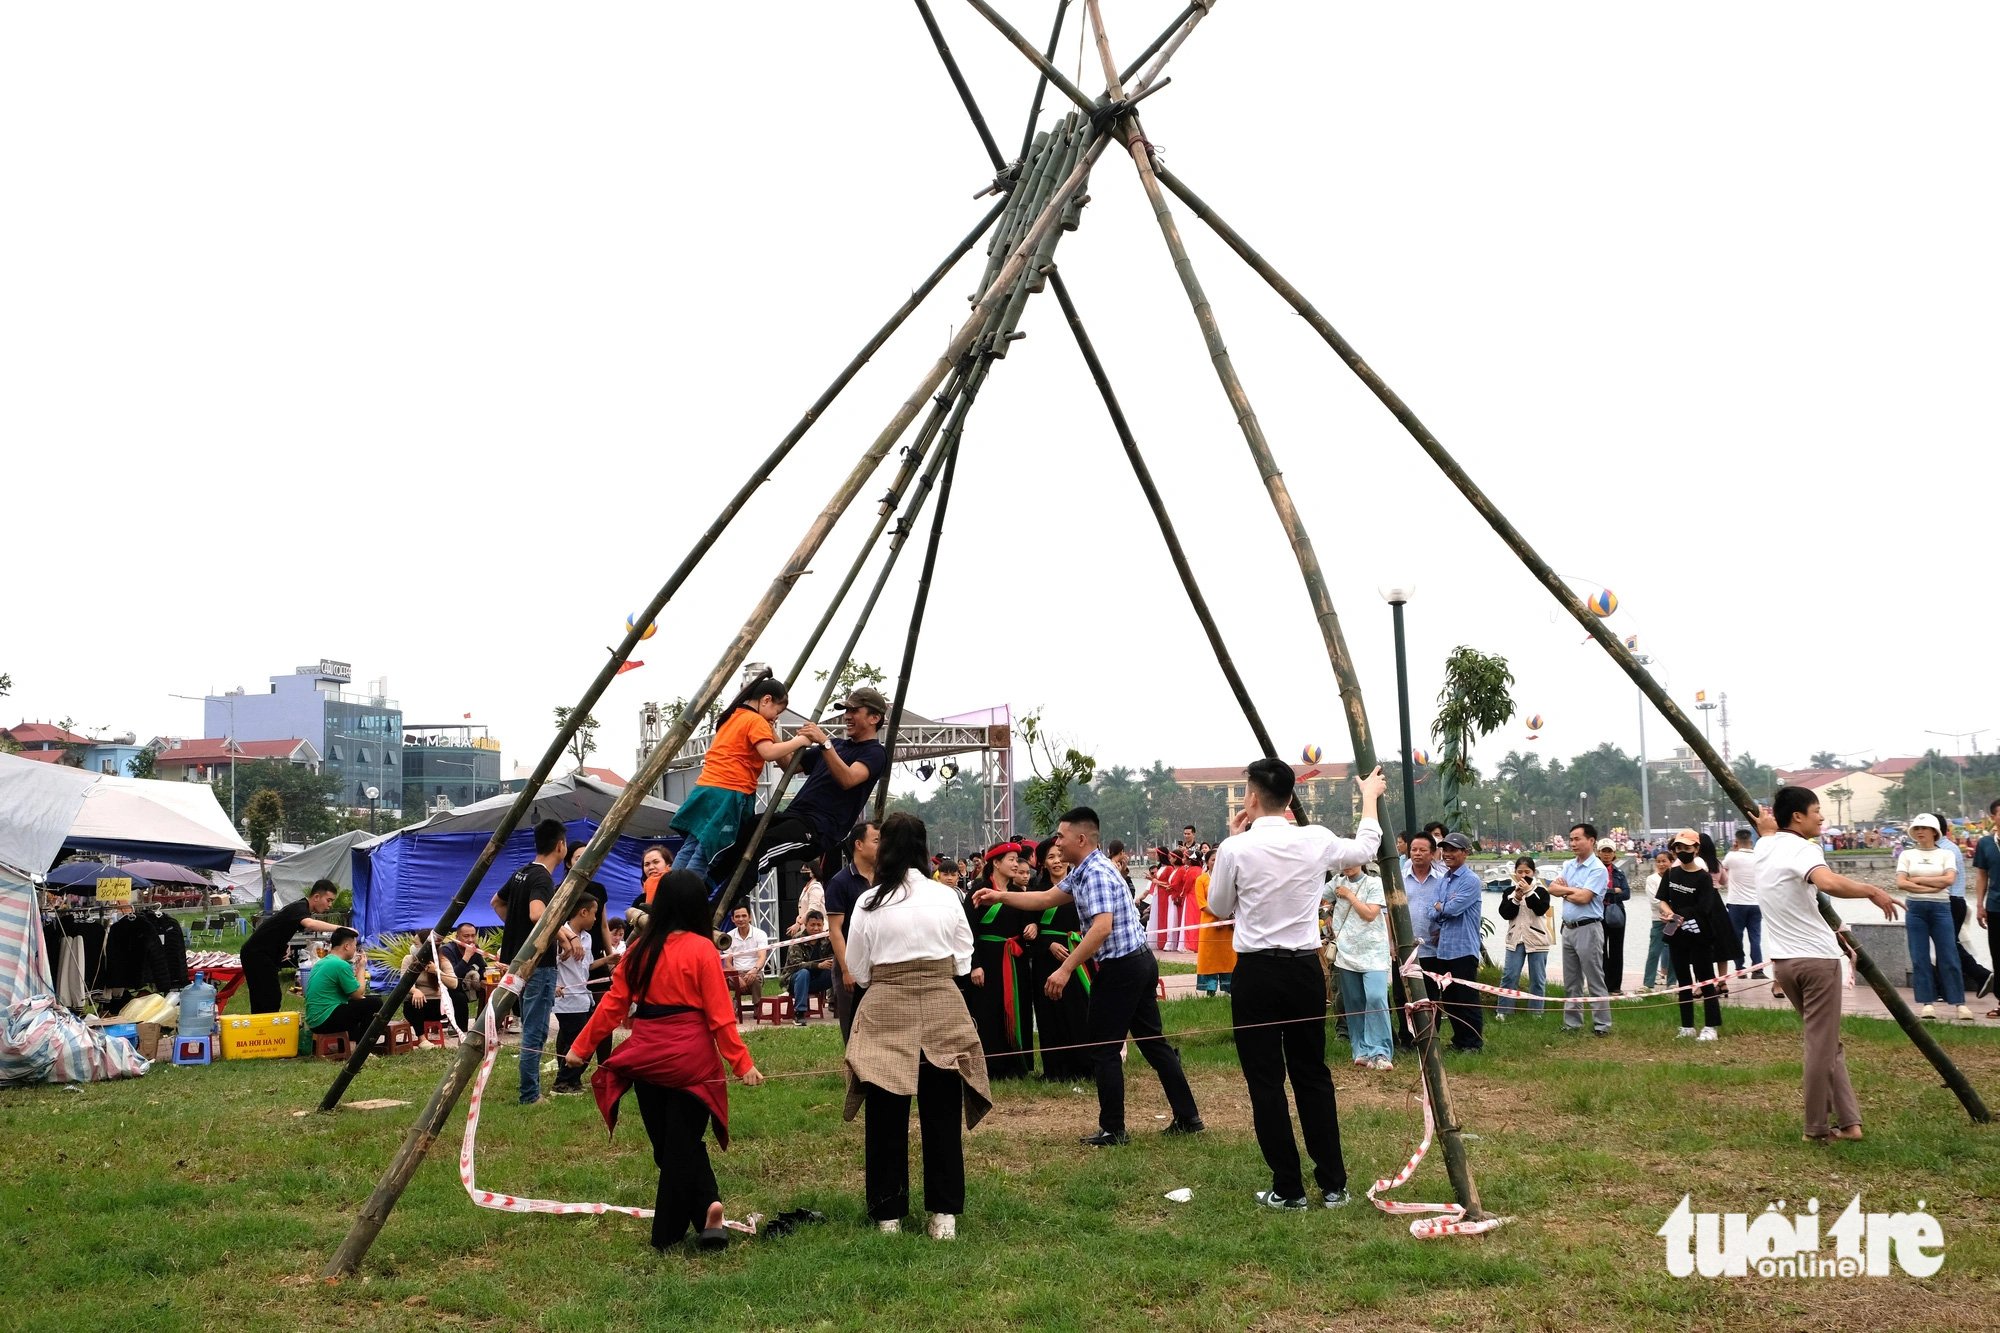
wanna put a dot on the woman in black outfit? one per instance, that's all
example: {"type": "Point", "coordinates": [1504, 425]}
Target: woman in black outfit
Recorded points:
{"type": "Point", "coordinates": [1058, 1023]}
{"type": "Point", "coordinates": [1697, 931]}
{"type": "Point", "coordinates": [1002, 1008]}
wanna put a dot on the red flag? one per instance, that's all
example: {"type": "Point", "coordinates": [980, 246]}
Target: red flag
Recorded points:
{"type": "Point", "coordinates": [624, 667]}
{"type": "Point", "coordinates": [468, 715]}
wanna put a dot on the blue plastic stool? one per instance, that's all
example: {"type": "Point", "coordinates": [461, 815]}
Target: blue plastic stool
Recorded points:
{"type": "Point", "coordinates": [194, 1050]}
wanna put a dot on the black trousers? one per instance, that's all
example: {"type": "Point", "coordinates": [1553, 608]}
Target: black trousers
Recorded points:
{"type": "Point", "coordinates": [1124, 998]}
{"type": "Point", "coordinates": [675, 1122]}
{"type": "Point", "coordinates": [1461, 1003]}
{"type": "Point", "coordinates": [1614, 958]}
{"type": "Point", "coordinates": [568, 1028]}
{"type": "Point", "coordinates": [1685, 949]}
{"type": "Point", "coordinates": [260, 975]}
{"type": "Point", "coordinates": [1288, 997]}
{"type": "Point", "coordinates": [416, 1015]}
{"type": "Point", "coordinates": [352, 1017]}
{"type": "Point", "coordinates": [886, 1145]}
{"type": "Point", "coordinates": [1968, 966]}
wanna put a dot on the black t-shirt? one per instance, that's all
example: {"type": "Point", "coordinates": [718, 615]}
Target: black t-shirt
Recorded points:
{"type": "Point", "coordinates": [530, 884]}
{"type": "Point", "coordinates": [822, 802]}
{"type": "Point", "coordinates": [844, 890]}
{"type": "Point", "coordinates": [266, 944]}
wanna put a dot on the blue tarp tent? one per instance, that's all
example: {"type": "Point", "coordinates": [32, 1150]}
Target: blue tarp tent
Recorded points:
{"type": "Point", "coordinates": [403, 882]}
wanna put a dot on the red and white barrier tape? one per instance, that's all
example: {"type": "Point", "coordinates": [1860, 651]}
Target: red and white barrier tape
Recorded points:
{"type": "Point", "coordinates": [1451, 1221]}
{"type": "Point", "coordinates": [509, 1203]}
{"type": "Point", "coordinates": [1445, 980]}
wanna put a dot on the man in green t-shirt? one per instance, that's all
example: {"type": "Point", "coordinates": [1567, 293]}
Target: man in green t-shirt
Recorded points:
{"type": "Point", "coordinates": [337, 998]}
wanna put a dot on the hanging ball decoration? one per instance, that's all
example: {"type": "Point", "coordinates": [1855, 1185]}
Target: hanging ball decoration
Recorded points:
{"type": "Point", "coordinates": [1310, 754]}
{"type": "Point", "coordinates": [632, 621]}
{"type": "Point", "coordinates": [1421, 758]}
{"type": "Point", "coordinates": [1631, 643]}
{"type": "Point", "coordinates": [1535, 722]}
{"type": "Point", "coordinates": [1603, 602]}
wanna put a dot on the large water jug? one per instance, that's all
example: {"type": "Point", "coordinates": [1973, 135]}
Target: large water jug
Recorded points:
{"type": "Point", "coordinates": [198, 1007]}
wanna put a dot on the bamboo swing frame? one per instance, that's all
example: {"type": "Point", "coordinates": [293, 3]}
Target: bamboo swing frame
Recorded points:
{"type": "Point", "coordinates": [1041, 197]}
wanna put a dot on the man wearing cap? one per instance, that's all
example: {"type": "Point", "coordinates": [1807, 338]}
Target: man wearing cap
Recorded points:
{"type": "Point", "coordinates": [1447, 934]}
{"type": "Point", "coordinates": [839, 775]}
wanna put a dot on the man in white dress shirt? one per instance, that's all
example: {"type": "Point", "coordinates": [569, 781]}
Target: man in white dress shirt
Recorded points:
{"type": "Point", "coordinates": [1269, 876]}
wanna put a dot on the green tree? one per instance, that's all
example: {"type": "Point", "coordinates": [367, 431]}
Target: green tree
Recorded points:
{"type": "Point", "coordinates": [585, 740]}
{"type": "Point", "coordinates": [1059, 770]}
{"type": "Point", "coordinates": [6, 684]}
{"type": "Point", "coordinates": [141, 764]}
{"type": "Point", "coordinates": [261, 821]}
{"type": "Point", "coordinates": [303, 793]}
{"type": "Point", "coordinates": [1473, 702]}
{"type": "Point", "coordinates": [1761, 779]}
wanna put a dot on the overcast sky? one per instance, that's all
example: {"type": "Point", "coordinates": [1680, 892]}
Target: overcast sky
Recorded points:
{"type": "Point", "coordinates": [428, 337]}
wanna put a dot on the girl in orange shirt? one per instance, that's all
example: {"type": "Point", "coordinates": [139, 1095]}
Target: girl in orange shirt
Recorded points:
{"type": "Point", "coordinates": [670, 981]}
{"type": "Point", "coordinates": [726, 792]}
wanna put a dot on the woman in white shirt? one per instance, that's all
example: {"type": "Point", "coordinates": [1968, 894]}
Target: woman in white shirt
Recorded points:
{"type": "Point", "coordinates": [907, 939]}
{"type": "Point", "coordinates": [1361, 964]}
{"type": "Point", "coordinates": [1924, 874]}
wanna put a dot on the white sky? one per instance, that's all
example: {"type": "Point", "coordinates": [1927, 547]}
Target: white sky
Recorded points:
{"type": "Point", "coordinates": [427, 337]}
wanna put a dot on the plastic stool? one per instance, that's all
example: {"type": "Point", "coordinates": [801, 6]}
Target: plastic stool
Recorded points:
{"type": "Point", "coordinates": [774, 1009]}
{"type": "Point", "coordinates": [434, 1032]}
{"type": "Point", "coordinates": [398, 1039]}
{"type": "Point", "coordinates": [331, 1045]}
{"type": "Point", "coordinates": [195, 1050]}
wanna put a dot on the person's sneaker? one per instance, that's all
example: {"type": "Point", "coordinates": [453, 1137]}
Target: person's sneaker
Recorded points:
{"type": "Point", "coordinates": [889, 1227]}
{"type": "Point", "coordinates": [798, 1022]}
{"type": "Point", "coordinates": [1194, 1126]}
{"type": "Point", "coordinates": [1708, 1034]}
{"type": "Point", "coordinates": [1105, 1138]}
{"type": "Point", "coordinates": [1600, 1032]}
{"type": "Point", "coordinates": [1270, 1199]}
{"type": "Point", "coordinates": [566, 1090]}
{"type": "Point", "coordinates": [1335, 1199]}
{"type": "Point", "coordinates": [1965, 1013]}
{"type": "Point", "coordinates": [1927, 1012]}
{"type": "Point", "coordinates": [1685, 1032]}
{"type": "Point", "coordinates": [1381, 1062]}
{"type": "Point", "coordinates": [1500, 1018]}
{"type": "Point", "coordinates": [944, 1226]}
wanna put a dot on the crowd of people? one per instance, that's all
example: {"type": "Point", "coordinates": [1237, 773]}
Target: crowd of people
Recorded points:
{"type": "Point", "coordinates": [1040, 958]}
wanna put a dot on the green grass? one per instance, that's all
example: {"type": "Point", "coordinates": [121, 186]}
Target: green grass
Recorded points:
{"type": "Point", "coordinates": [193, 1198]}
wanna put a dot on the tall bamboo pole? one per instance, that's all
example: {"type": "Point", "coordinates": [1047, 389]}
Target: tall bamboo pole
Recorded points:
{"type": "Point", "coordinates": [1898, 1008]}
{"type": "Point", "coordinates": [516, 811]}
{"type": "Point", "coordinates": [1041, 86]}
{"type": "Point", "coordinates": [964, 90]}
{"type": "Point", "coordinates": [1456, 1165]}
{"type": "Point", "coordinates": [1172, 538]}
{"type": "Point", "coordinates": [916, 626]}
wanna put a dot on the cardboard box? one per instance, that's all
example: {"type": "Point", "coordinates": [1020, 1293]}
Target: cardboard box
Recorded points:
{"type": "Point", "coordinates": [261, 1036]}
{"type": "Point", "coordinates": [149, 1039]}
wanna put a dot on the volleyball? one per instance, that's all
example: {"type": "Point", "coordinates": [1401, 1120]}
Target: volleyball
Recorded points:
{"type": "Point", "coordinates": [1310, 754]}
{"type": "Point", "coordinates": [1603, 602]}
{"type": "Point", "coordinates": [631, 622]}
{"type": "Point", "coordinates": [1535, 722]}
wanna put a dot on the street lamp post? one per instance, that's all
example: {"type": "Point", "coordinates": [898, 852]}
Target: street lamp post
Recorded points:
{"type": "Point", "coordinates": [1645, 793]}
{"type": "Point", "coordinates": [229, 742]}
{"type": "Point", "coordinates": [1396, 596]}
{"type": "Point", "coordinates": [1583, 799]}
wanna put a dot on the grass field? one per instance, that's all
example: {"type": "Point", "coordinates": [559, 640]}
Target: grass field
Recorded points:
{"type": "Point", "coordinates": [193, 1198]}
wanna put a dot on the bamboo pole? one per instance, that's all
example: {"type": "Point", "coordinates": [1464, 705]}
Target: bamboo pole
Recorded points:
{"type": "Point", "coordinates": [1891, 999]}
{"type": "Point", "coordinates": [1456, 1164]}
{"type": "Point", "coordinates": [916, 623]}
{"type": "Point", "coordinates": [964, 91]}
{"type": "Point", "coordinates": [1172, 538]}
{"type": "Point", "coordinates": [609, 671]}
{"type": "Point", "coordinates": [1041, 86]}
{"type": "Point", "coordinates": [1046, 64]}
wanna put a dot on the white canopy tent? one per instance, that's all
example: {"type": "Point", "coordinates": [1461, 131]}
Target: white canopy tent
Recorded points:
{"type": "Point", "coordinates": [45, 808]}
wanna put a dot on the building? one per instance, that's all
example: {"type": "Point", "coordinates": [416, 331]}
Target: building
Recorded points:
{"type": "Point", "coordinates": [1859, 792]}
{"type": "Point", "coordinates": [457, 761]}
{"type": "Point", "coordinates": [47, 743]}
{"type": "Point", "coordinates": [1682, 760]}
{"type": "Point", "coordinates": [359, 736]}
{"type": "Point", "coordinates": [1324, 794]}
{"type": "Point", "coordinates": [206, 759]}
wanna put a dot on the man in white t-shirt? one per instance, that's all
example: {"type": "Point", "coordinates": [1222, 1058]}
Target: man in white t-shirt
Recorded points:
{"type": "Point", "coordinates": [1739, 897]}
{"type": "Point", "coordinates": [748, 946]}
{"type": "Point", "coordinates": [1805, 954]}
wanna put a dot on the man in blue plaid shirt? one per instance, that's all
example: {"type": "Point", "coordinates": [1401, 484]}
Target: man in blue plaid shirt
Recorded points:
{"type": "Point", "coordinates": [1125, 978]}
